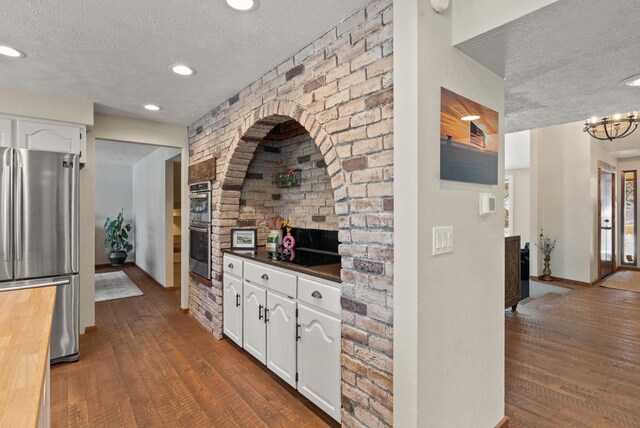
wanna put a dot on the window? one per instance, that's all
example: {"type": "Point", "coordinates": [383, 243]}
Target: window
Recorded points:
{"type": "Point", "coordinates": [629, 218]}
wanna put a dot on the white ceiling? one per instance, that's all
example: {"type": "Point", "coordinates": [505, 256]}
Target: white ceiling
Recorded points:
{"type": "Point", "coordinates": [563, 63]}
{"type": "Point", "coordinates": [118, 54]}
{"type": "Point", "coordinates": [627, 147]}
{"type": "Point", "coordinates": [114, 152]}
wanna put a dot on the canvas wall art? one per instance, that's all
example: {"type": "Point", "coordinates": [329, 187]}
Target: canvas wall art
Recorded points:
{"type": "Point", "coordinates": [468, 140]}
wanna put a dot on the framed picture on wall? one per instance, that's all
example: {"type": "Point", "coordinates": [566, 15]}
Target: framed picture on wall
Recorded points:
{"type": "Point", "coordinates": [244, 239]}
{"type": "Point", "coordinates": [468, 140]}
{"type": "Point", "coordinates": [508, 205]}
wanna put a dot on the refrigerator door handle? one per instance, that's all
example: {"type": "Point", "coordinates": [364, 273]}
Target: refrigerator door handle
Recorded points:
{"type": "Point", "coordinates": [6, 205]}
{"type": "Point", "coordinates": [74, 214]}
{"type": "Point", "coordinates": [36, 285]}
{"type": "Point", "coordinates": [18, 208]}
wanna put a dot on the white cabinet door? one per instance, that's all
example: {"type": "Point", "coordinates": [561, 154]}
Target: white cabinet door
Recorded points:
{"type": "Point", "coordinates": [233, 309]}
{"type": "Point", "coordinates": [5, 133]}
{"type": "Point", "coordinates": [255, 329]}
{"type": "Point", "coordinates": [319, 359]}
{"type": "Point", "coordinates": [49, 137]}
{"type": "Point", "coordinates": [281, 337]}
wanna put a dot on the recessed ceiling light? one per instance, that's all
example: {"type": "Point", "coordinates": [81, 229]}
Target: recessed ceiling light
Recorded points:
{"type": "Point", "coordinates": [240, 4]}
{"type": "Point", "coordinates": [152, 107]}
{"type": "Point", "coordinates": [9, 51]}
{"type": "Point", "coordinates": [633, 81]}
{"type": "Point", "coordinates": [182, 70]}
{"type": "Point", "coordinates": [468, 118]}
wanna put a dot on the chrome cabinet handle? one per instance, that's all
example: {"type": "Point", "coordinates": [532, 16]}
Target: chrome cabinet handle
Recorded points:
{"type": "Point", "coordinates": [230, 265]}
{"type": "Point", "coordinates": [237, 300]}
{"type": "Point", "coordinates": [265, 276]}
{"type": "Point", "coordinates": [316, 294]}
{"type": "Point", "coordinates": [260, 311]}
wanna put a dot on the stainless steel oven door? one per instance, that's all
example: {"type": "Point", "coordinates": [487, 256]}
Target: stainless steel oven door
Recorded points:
{"type": "Point", "coordinates": [200, 250]}
{"type": "Point", "coordinates": [200, 207]}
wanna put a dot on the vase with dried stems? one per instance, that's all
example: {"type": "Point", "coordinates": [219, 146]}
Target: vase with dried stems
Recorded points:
{"type": "Point", "coordinates": [546, 245]}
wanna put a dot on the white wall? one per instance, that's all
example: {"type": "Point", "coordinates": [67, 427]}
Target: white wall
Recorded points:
{"type": "Point", "coordinates": [474, 17]}
{"type": "Point", "coordinates": [521, 203]}
{"type": "Point", "coordinates": [517, 150]}
{"type": "Point", "coordinates": [22, 103]}
{"type": "Point", "coordinates": [561, 202]}
{"type": "Point", "coordinates": [405, 216]}
{"type": "Point", "coordinates": [150, 214]}
{"type": "Point", "coordinates": [114, 192]}
{"type": "Point", "coordinates": [460, 324]}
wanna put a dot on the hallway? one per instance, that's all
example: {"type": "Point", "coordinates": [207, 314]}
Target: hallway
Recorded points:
{"type": "Point", "coordinates": [149, 365]}
{"type": "Point", "coordinates": [574, 361]}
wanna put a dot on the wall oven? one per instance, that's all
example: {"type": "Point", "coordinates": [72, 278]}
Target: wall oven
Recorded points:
{"type": "Point", "coordinates": [200, 250]}
{"type": "Point", "coordinates": [200, 203]}
{"type": "Point", "coordinates": [200, 229]}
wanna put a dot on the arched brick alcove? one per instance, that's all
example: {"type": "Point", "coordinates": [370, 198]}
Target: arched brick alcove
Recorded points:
{"type": "Point", "coordinates": [226, 197]}
{"type": "Point", "coordinates": [339, 88]}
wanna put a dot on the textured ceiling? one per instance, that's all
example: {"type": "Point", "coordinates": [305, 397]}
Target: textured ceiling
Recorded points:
{"type": "Point", "coordinates": [113, 152]}
{"type": "Point", "coordinates": [118, 54]}
{"type": "Point", "coordinates": [564, 63]}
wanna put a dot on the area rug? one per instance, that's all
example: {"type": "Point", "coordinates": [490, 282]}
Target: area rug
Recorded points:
{"type": "Point", "coordinates": [115, 285]}
{"type": "Point", "coordinates": [623, 280]}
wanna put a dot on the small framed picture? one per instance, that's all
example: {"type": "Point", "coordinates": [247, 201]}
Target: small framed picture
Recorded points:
{"type": "Point", "coordinates": [244, 239]}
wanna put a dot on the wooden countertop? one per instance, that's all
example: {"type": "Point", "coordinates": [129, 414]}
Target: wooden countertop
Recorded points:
{"type": "Point", "coordinates": [25, 329]}
{"type": "Point", "coordinates": [329, 272]}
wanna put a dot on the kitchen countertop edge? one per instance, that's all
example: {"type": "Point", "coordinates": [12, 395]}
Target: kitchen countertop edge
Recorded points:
{"type": "Point", "coordinates": [327, 272]}
{"type": "Point", "coordinates": [47, 303]}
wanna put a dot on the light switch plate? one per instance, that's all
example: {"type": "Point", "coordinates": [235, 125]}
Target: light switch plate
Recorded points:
{"type": "Point", "coordinates": [442, 240]}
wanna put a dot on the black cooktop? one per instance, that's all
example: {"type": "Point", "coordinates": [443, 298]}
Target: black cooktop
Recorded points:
{"type": "Point", "coordinates": [306, 257]}
{"type": "Point", "coordinates": [314, 247]}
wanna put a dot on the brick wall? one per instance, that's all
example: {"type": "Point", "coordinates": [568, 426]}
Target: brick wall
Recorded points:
{"type": "Point", "coordinates": [310, 205]}
{"type": "Point", "coordinates": [339, 88]}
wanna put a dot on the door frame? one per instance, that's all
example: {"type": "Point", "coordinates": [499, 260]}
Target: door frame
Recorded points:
{"type": "Point", "coordinates": [608, 168]}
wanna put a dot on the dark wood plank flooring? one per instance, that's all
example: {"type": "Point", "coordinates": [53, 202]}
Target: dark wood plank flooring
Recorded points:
{"type": "Point", "coordinates": [150, 365]}
{"type": "Point", "coordinates": [575, 361]}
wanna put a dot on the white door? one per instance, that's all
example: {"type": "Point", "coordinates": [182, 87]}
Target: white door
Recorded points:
{"type": "Point", "coordinates": [281, 337]}
{"type": "Point", "coordinates": [319, 359]}
{"type": "Point", "coordinates": [48, 137]}
{"type": "Point", "coordinates": [233, 309]}
{"type": "Point", "coordinates": [5, 133]}
{"type": "Point", "coordinates": [255, 329]}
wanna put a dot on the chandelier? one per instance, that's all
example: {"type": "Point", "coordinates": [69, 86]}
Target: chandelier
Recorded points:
{"type": "Point", "coordinates": [610, 128]}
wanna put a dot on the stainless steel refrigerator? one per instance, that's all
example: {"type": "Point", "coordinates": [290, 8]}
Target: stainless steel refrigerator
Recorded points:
{"type": "Point", "coordinates": [39, 231]}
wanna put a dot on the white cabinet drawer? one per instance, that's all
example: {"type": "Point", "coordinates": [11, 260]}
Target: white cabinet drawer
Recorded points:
{"type": "Point", "coordinates": [319, 295]}
{"type": "Point", "coordinates": [233, 266]}
{"type": "Point", "coordinates": [271, 279]}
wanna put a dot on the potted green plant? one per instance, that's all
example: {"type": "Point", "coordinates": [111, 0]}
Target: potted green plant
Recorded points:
{"type": "Point", "coordinates": [116, 240]}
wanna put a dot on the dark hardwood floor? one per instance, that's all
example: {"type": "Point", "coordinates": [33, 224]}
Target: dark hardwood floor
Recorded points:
{"type": "Point", "coordinates": [150, 365]}
{"type": "Point", "coordinates": [574, 361]}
